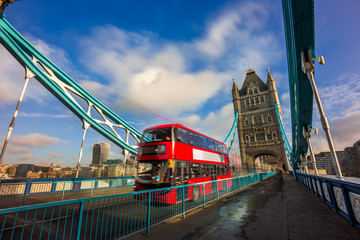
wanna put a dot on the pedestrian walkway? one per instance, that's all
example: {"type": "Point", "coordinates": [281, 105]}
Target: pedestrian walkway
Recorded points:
{"type": "Point", "coordinates": [277, 208]}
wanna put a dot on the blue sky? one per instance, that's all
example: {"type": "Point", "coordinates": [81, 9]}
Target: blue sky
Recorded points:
{"type": "Point", "coordinates": [156, 62]}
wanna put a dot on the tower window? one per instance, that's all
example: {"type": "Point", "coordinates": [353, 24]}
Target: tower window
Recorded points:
{"type": "Point", "coordinates": [257, 100]}
{"type": "Point", "coordinates": [269, 119]}
{"type": "Point", "coordinates": [257, 120]}
{"type": "Point", "coordinates": [262, 99]}
{"type": "Point", "coordinates": [252, 101]}
{"type": "Point", "coordinates": [247, 102]}
{"type": "Point", "coordinates": [247, 123]}
{"type": "Point", "coordinates": [255, 91]}
{"type": "Point", "coordinates": [260, 137]}
{"type": "Point", "coordinates": [250, 92]}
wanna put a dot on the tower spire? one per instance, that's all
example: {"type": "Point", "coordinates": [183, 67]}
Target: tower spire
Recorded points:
{"type": "Point", "coordinates": [269, 77]}
{"type": "Point", "coordinates": [250, 70]}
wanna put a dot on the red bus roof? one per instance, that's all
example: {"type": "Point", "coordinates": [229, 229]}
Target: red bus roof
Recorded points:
{"type": "Point", "coordinates": [177, 125]}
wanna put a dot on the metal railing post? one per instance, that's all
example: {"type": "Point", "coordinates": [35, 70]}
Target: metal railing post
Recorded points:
{"type": "Point", "coordinates": [27, 186]}
{"type": "Point", "coordinates": [227, 190]}
{"type": "Point", "coordinates": [203, 192]}
{"type": "Point", "coordinates": [148, 214]}
{"type": "Point", "coordinates": [183, 202]}
{"type": "Point", "coordinates": [80, 215]}
{"type": "Point", "coordinates": [217, 190]}
{"type": "Point", "coordinates": [63, 192]}
{"type": "Point", "coordinates": [92, 187]}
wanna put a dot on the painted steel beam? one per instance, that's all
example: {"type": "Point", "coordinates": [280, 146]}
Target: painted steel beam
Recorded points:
{"type": "Point", "coordinates": [64, 88]}
{"type": "Point", "coordinates": [300, 37]}
{"type": "Point", "coordinates": [229, 140]}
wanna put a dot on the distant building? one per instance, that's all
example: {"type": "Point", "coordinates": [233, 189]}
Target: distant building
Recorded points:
{"type": "Point", "coordinates": [31, 174]}
{"type": "Point", "coordinates": [11, 171]}
{"type": "Point", "coordinates": [86, 172]}
{"type": "Point", "coordinates": [349, 161]}
{"type": "Point", "coordinates": [114, 161]}
{"type": "Point", "coordinates": [23, 169]}
{"type": "Point", "coordinates": [115, 170]}
{"type": "Point", "coordinates": [100, 153]}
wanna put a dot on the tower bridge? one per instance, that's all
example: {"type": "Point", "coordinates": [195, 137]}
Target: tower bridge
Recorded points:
{"type": "Point", "coordinates": [283, 204]}
{"type": "Point", "coordinates": [258, 126]}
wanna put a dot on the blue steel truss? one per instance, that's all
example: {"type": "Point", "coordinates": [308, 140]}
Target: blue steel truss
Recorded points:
{"type": "Point", "coordinates": [229, 140]}
{"type": "Point", "coordinates": [287, 146]}
{"type": "Point", "coordinates": [62, 86]}
{"type": "Point", "coordinates": [300, 37]}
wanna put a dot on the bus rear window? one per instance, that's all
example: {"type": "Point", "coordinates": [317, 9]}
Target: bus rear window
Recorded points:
{"type": "Point", "coordinates": [157, 135]}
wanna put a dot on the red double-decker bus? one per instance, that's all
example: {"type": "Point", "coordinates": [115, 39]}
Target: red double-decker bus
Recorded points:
{"type": "Point", "coordinates": [172, 155]}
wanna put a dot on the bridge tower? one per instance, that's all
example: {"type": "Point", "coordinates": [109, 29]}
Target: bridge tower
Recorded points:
{"type": "Point", "coordinates": [258, 127]}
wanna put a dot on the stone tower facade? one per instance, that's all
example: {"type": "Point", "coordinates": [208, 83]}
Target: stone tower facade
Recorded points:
{"type": "Point", "coordinates": [258, 127]}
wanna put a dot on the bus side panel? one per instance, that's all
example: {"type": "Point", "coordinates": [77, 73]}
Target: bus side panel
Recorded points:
{"type": "Point", "coordinates": [183, 151]}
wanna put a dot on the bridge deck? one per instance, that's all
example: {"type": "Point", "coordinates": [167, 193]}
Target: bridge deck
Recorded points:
{"type": "Point", "coordinates": [277, 208]}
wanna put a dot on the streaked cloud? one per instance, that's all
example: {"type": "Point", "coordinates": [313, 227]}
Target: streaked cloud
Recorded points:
{"type": "Point", "coordinates": [344, 130]}
{"type": "Point", "coordinates": [34, 140]}
{"type": "Point", "coordinates": [159, 73]}
{"type": "Point", "coordinates": [43, 115]}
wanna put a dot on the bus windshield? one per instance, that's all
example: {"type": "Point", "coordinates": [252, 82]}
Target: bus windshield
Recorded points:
{"type": "Point", "coordinates": [153, 172]}
{"type": "Point", "coordinates": [157, 135]}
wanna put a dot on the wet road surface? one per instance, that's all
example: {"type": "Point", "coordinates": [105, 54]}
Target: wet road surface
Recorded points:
{"type": "Point", "coordinates": [276, 208]}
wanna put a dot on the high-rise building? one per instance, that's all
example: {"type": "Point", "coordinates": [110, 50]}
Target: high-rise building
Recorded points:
{"type": "Point", "coordinates": [100, 153]}
{"type": "Point", "coordinates": [258, 126]}
{"type": "Point", "coordinates": [349, 161]}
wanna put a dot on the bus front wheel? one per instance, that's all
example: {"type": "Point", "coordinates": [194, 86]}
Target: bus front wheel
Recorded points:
{"type": "Point", "coordinates": [196, 193]}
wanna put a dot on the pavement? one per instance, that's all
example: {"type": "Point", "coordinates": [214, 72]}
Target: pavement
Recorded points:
{"type": "Point", "coordinates": [276, 208]}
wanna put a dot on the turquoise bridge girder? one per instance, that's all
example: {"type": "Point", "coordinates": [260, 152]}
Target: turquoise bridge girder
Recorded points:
{"type": "Point", "coordinates": [288, 149]}
{"type": "Point", "coordinates": [229, 140]}
{"type": "Point", "coordinates": [300, 37]}
{"type": "Point", "coordinates": [62, 86]}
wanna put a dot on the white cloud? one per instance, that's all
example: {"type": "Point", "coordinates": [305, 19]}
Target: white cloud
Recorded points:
{"type": "Point", "coordinates": [216, 124]}
{"type": "Point", "coordinates": [173, 92]}
{"type": "Point", "coordinates": [34, 140]}
{"type": "Point", "coordinates": [42, 115]}
{"type": "Point", "coordinates": [342, 96]}
{"type": "Point", "coordinates": [12, 74]}
{"type": "Point", "coordinates": [11, 77]}
{"type": "Point", "coordinates": [26, 157]}
{"type": "Point", "coordinates": [17, 150]}
{"type": "Point", "coordinates": [345, 131]}
{"type": "Point", "coordinates": [159, 74]}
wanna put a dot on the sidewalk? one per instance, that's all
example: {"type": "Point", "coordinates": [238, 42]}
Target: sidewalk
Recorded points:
{"type": "Point", "coordinates": [277, 208]}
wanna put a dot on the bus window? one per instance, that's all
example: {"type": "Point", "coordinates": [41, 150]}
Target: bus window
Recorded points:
{"type": "Point", "coordinates": [186, 171]}
{"type": "Point", "coordinates": [203, 142]}
{"type": "Point", "coordinates": [195, 170]}
{"type": "Point", "coordinates": [221, 170]}
{"type": "Point", "coordinates": [205, 170]}
{"type": "Point", "coordinates": [194, 139]}
{"type": "Point", "coordinates": [211, 145]}
{"type": "Point", "coordinates": [157, 135]}
{"type": "Point", "coordinates": [178, 176]}
{"type": "Point", "coordinates": [181, 135]}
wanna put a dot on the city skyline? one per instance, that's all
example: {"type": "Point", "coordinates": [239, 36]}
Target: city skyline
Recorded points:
{"type": "Point", "coordinates": [175, 68]}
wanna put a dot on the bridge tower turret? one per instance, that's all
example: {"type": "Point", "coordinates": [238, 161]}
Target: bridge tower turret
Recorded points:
{"type": "Point", "coordinates": [273, 91]}
{"type": "Point", "coordinates": [237, 110]}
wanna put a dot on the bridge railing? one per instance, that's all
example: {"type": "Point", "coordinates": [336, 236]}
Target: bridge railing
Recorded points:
{"type": "Point", "coordinates": [115, 216]}
{"type": "Point", "coordinates": [342, 196]}
{"type": "Point", "coordinates": [19, 192]}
